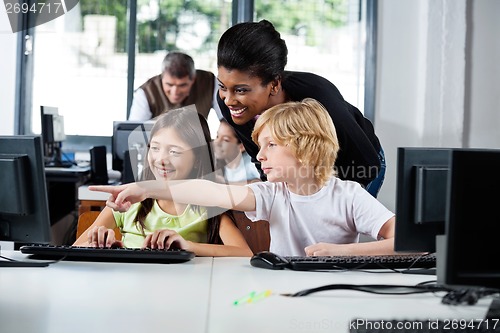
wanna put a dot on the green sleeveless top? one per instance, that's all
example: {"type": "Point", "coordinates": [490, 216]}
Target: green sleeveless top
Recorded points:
{"type": "Point", "coordinates": [191, 225]}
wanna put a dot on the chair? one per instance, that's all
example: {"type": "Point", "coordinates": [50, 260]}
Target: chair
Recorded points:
{"type": "Point", "coordinates": [86, 219]}
{"type": "Point", "coordinates": [256, 233]}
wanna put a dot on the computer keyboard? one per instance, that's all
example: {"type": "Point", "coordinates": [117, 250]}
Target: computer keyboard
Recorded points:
{"type": "Point", "coordinates": [135, 255]}
{"type": "Point", "coordinates": [425, 326]}
{"type": "Point", "coordinates": [400, 261]}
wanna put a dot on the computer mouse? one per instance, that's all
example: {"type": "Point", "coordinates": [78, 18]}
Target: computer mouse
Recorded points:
{"type": "Point", "coordinates": [268, 260]}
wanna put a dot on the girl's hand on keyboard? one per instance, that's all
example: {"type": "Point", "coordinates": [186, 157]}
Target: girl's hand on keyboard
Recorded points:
{"type": "Point", "coordinates": [100, 236]}
{"type": "Point", "coordinates": [165, 239]}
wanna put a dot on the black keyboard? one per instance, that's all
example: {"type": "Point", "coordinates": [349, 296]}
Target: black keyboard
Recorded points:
{"type": "Point", "coordinates": [400, 261]}
{"type": "Point", "coordinates": [425, 326]}
{"type": "Point", "coordinates": [135, 255]}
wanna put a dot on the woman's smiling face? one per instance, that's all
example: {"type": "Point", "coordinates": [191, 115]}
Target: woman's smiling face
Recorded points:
{"type": "Point", "coordinates": [243, 94]}
{"type": "Point", "coordinates": [170, 157]}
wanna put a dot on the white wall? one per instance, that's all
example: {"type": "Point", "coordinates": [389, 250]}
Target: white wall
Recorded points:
{"type": "Point", "coordinates": [485, 77]}
{"type": "Point", "coordinates": [436, 85]}
{"type": "Point", "coordinates": [8, 43]}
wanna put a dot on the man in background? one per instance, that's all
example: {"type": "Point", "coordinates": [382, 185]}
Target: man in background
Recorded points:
{"type": "Point", "coordinates": [178, 85]}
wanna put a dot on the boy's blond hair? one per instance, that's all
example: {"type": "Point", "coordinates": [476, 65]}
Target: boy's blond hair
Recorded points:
{"type": "Point", "coordinates": [307, 128]}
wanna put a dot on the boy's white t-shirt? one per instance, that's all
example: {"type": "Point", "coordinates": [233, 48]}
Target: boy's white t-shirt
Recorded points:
{"type": "Point", "coordinates": [338, 213]}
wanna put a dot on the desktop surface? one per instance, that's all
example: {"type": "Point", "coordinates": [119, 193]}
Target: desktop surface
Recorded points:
{"type": "Point", "coordinates": [328, 311]}
{"type": "Point", "coordinates": [199, 296]}
{"type": "Point", "coordinates": [105, 297]}
{"type": "Point", "coordinates": [54, 170]}
{"type": "Point", "coordinates": [85, 194]}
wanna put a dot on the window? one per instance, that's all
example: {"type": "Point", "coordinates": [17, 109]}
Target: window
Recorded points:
{"type": "Point", "coordinates": [323, 37]}
{"type": "Point", "coordinates": [192, 27]}
{"type": "Point", "coordinates": [81, 60]}
{"type": "Point", "coordinates": [80, 66]}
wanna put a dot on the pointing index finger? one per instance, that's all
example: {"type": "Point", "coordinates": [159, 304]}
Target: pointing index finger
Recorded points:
{"type": "Point", "coordinates": [101, 188]}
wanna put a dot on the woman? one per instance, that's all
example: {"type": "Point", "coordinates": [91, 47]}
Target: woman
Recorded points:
{"type": "Point", "coordinates": [251, 60]}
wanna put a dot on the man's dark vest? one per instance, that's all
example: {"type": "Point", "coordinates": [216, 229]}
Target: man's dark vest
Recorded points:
{"type": "Point", "coordinates": [201, 94]}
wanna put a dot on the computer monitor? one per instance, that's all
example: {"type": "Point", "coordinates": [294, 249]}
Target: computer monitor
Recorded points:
{"type": "Point", "coordinates": [128, 146]}
{"type": "Point", "coordinates": [470, 249]}
{"type": "Point", "coordinates": [420, 198]}
{"type": "Point", "coordinates": [24, 212]}
{"type": "Point", "coordinates": [53, 136]}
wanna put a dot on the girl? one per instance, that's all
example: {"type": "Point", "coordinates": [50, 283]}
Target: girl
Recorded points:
{"type": "Point", "coordinates": [179, 149]}
{"type": "Point", "coordinates": [309, 209]}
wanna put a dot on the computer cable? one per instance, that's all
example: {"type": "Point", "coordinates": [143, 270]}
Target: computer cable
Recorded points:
{"type": "Point", "coordinates": [453, 296]}
{"type": "Point", "coordinates": [381, 289]}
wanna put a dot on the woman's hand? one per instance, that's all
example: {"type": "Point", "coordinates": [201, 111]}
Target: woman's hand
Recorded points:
{"type": "Point", "coordinates": [165, 239]}
{"type": "Point", "coordinates": [103, 237]}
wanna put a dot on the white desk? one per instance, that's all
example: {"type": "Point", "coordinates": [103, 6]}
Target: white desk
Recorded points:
{"type": "Point", "coordinates": [198, 296]}
{"type": "Point", "coordinates": [105, 297]}
{"type": "Point", "coordinates": [329, 311]}
{"type": "Point", "coordinates": [90, 200]}
{"type": "Point", "coordinates": [85, 194]}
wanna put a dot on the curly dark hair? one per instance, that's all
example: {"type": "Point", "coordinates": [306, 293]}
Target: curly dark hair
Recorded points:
{"type": "Point", "coordinates": [253, 47]}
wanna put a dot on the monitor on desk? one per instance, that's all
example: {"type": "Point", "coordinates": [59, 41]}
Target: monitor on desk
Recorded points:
{"type": "Point", "coordinates": [53, 136]}
{"type": "Point", "coordinates": [470, 251]}
{"type": "Point", "coordinates": [129, 144]}
{"type": "Point", "coordinates": [24, 212]}
{"type": "Point", "coordinates": [421, 198]}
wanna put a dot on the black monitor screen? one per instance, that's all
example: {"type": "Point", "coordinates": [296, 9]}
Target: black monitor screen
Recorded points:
{"type": "Point", "coordinates": [24, 213]}
{"type": "Point", "coordinates": [420, 197]}
{"type": "Point", "coordinates": [53, 135]}
{"type": "Point", "coordinates": [129, 143]}
{"type": "Point", "coordinates": [473, 221]}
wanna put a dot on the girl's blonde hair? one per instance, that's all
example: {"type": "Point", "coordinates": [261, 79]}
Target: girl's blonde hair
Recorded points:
{"type": "Point", "coordinates": [307, 129]}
